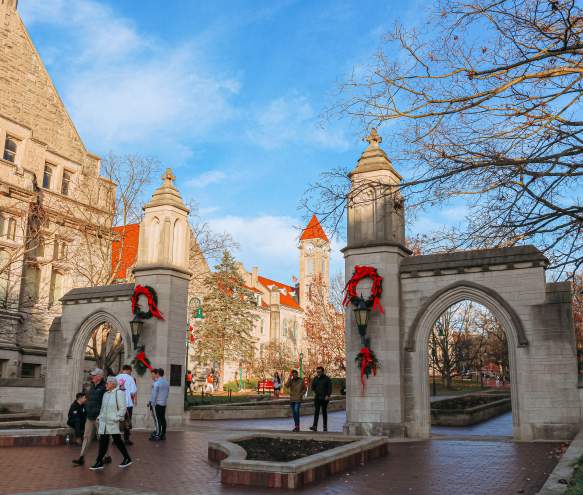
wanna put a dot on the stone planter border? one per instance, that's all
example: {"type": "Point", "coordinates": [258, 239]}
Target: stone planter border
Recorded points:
{"type": "Point", "coordinates": [470, 415]}
{"type": "Point", "coordinates": [34, 437]}
{"type": "Point", "coordinates": [237, 470]}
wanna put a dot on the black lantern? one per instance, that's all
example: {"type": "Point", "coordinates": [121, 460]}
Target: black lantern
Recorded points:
{"type": "Point", "coordinates": [361, 314]}
{"type": "Point", "coordinates": [136, 325]}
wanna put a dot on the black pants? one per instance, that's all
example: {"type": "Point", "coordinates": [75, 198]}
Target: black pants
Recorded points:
{"type": "Point", "coordinates": [160, 420]}
{"type": "Point", "coordinates": [127, 431]}
{"type": "Point", "coordinates": [321, 404]}
{"type": "Point", "coordinates": [104, 444]}
{"type": "Point", "coordinates": [78, 425]}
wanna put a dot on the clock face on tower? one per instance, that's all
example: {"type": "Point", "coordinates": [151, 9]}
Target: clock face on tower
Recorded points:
{"type": "Point", "coordinates": [309, 249]}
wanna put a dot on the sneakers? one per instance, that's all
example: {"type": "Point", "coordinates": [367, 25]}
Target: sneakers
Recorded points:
{"type": "Point", "coordinates": [297, 428]}
{"type": "Point", "coordinates": [125, 463]}
{"type": "Point", "coordinates": [79, 462]}
{"type": "Point", "coordinates": [314, 428]}
{"type": "Point", "coordinates": [97, 466]}
{"type": "Point", "coordinates": [325, 428]}
{"type": "Point", "coordinates": [154, 438]}
{"type": "Point", "coordinates": [107, 459]}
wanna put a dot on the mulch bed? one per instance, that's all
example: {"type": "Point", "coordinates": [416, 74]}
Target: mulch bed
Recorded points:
{"type": "Point", "coordinates": [465, 402]}
{"type": "Point", "coordinates": [284, 449]}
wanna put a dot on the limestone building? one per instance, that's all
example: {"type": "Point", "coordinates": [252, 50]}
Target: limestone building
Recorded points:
{"type": "Point", "coordinates": [55, 208]}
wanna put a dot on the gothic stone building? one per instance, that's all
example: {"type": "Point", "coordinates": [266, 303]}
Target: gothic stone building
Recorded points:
{"type": "Point", "coordinates": [55, 208]}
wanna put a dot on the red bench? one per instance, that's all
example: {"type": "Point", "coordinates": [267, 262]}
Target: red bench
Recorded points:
{"type": "Point", "coordinates": [264, 385]}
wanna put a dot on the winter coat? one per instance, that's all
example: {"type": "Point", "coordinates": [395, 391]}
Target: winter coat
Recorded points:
{"type": "Point", "coordinates": [77, 413]}
{"type": "Point", "coordinates": [94, 398]}
{"type": "Point", "coordinates": [113, 410]}
{"type": "Point", "coordinates": [322, 386]}
{"type": "Point", "coordinates": [296, 389]}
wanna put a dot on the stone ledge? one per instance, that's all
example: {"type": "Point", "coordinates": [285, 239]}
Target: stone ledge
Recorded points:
{"type": "Point", "coordinates": [564, 469]}
{"type": "Point", "coordinates": [509, 258]}
{"type": "Point", "coordinates": [116, 290]}
{"type": "Point", "coordinates": [236, 470]}
{"type": "Point", "coordinates": [92, 490]}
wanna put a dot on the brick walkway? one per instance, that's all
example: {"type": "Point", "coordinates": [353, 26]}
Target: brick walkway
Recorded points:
{"type": "Point", "coordinates": [179, 466]}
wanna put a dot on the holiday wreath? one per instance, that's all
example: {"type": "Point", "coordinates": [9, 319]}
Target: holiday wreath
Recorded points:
{"type": "Point", "coordinates": [141, 363]}
{"type": "Point", "coordinates": [367, 362]}
{"type": "Point", "coordinates": [151, 296]}
{"type": "Point", "coordinates": [376, 290]}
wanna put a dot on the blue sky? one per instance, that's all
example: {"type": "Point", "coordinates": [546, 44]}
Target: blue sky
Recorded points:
{"type": "Point", "coordinates": [228, 94]}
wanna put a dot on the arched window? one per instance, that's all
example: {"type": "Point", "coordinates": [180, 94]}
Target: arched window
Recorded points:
{"type": "Point", "coordinates": [154, 240]}
{"type": "Point", "coordinates": [4, 277]}
{"type": "Point", "coordinates": [178, 243]}
{"type": "Point", "coordinates": [11, 234]}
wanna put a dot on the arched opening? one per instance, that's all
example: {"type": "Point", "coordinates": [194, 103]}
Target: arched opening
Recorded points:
{"type": "Point", "coordinates": [469, 372]}
{"type": "Point", "coordinates": [104, 349]}
{"type": "Point", "coordinates": [419, 361]}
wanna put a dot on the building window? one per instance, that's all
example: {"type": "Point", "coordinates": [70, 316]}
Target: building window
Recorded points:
{"type": "Point", "coordinates": [47, 177]}
{"type": "Point", "coordinates": [11, 232]}
{"type": "Point", "coordinates": [3, 368]}
{"type": "Point", "coordinates": [323, 265]}
{"type": "Point", "coordinates": [56, 288]}
{"type": "Point", "coordinates": [30, 370]}
{"type": "Point", "coordinates": [4, 277]}
{"type": "Point", "coordinates": [310, 266]}
{"type": "Point", "coordinates": [59, 250]}
{"type": "Point", "coordinates": [39, 248]}
{"type": "Point", "coordinates": [10, 146]}
{"type": "Point", "coordinates": [66, 183]}
{"type": "Point", "coordinates": [31, 284]}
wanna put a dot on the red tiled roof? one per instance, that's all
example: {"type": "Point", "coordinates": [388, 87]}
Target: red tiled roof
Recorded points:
{"type": "Point", "coordinates": [124, 249]}
{"type": "Point", "coordinates": [314, 230]}
{"type": "Point", "coordinates": [286, 299]}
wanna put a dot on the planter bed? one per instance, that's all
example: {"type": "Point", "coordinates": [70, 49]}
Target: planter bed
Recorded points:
{"type": "Point", "coordinates": [29, 435]}
{"type": "Point", "coordinates": [469, 409]}
{"type": "Point", "coordinates": [258, 410]}
{"type": "Point", "coordinates": [320, 457]}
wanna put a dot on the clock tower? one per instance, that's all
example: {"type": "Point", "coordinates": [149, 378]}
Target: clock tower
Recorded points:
{"type": "Point", "coordinates": [314, 258]}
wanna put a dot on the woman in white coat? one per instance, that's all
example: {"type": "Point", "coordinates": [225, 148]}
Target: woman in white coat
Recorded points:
{"type": "Point", "coordinates": [113, 410]}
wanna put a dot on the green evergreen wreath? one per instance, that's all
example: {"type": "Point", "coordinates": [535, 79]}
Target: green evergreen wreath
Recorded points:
{"type": "Point", "coordinates": [152, 297]}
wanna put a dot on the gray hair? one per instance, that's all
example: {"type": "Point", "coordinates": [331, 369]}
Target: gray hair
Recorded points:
{"type": "Point", "coordinates": [112, 379]}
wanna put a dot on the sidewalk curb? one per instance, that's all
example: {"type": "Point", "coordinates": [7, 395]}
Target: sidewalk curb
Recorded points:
{"type": "Point", "coordinates": [564, 469]}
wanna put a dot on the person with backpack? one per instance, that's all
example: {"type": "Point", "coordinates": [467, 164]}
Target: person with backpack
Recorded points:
{"type": "Point", "coordinates": [113, 411]}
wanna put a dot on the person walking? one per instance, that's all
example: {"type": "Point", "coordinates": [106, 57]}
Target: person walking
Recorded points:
{"type": "Point", "coordinates": [158, 401]}
{"type": "Point", "coordinates": [276, 385]}
{"type": "Point", "coordinates": [188, 382]}
{"type": "Point", "coordinates": [127, 383]}
{"type": "Point", "coordinates": [296, 387]}
{"type": "Point", "coordinates": [322, 388]}
{"type": "Point", "coordinates": [209, 389]}
{"type": "Point", "coordinates": [113, 410]}
{"type": "Point", "coordinates": [93, 407]}
{"type": "Point", "coordinates": [78, 416]}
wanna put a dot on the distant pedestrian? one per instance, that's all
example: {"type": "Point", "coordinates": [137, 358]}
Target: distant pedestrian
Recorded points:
{"type": "Point", "coordinates": [113, 410]}
{"type": "Point", "coordinates": [296, 387]}
{"type": "Point", "coordinates": [322, 388]}
{"type": "Point", "coordinates": [188, 381]}
{"type": "Point", "coordinates": [158, 401]}
{"type": "Point", "coordinates": [78, 416]}
{"type": "Point", "coordinates": [208, 387]}
{"type": "Point", "coordinates": [93, 407]}
{"type": "Point", "coordinates": [127, 383]}
{"type": "Point", "coordinates": [276, 385]}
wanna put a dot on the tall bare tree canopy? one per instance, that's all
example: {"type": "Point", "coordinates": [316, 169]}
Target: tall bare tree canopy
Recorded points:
{"type": "Point", "coordinates": [487, 102]}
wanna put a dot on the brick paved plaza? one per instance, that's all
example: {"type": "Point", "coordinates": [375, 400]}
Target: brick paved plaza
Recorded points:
{"type": "Point", "coordinates": [180, 466]}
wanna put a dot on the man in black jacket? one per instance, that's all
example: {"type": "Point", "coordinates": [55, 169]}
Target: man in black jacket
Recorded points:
{"type": "Point", "coordinates": [322, 388]}
{"type": "Point", "coordinates": [93, 407]}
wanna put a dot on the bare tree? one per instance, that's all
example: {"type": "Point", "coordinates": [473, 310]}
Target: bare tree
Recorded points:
{"type": "Point", "coordinates": [487, 102]}
{"type": "Point", "coordinates": [275, 356]}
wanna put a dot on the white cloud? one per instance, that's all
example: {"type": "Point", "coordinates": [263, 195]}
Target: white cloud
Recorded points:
{"type": "Point", "coordinates": [207, 178]}
{"type": "Point", "coordinates": [271, 243]}
{"type": "Point", "coordinates": [124, 88]}
{"type": "Point", "coordinates": [292, 120]}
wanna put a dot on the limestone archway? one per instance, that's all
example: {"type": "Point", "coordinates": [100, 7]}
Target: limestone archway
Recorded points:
{"type": "Point", "coordinates": [76, 351]}
{"type": "Point", "coordinates": [418, 336]}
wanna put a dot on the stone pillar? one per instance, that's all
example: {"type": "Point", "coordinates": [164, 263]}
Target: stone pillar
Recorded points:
{"type": "Point", "coordinates": [376, 238]}
{"type": "Point", "coordinates": [168, 274]}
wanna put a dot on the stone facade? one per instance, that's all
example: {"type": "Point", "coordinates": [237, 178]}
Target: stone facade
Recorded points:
{"type": "Point", "coordinates": [54, 206]}
{"type": "Point", "coordinates": [535, 315]}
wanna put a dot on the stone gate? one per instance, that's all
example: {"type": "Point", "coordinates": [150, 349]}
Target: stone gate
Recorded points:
{"type": "Point", "coordinates": [535, 315]}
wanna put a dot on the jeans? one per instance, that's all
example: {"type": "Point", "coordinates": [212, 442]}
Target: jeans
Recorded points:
{"type": "Point", "coordinates": [104, 444]}
{"type": "Point", "coordinates": [320, 404]}
{"type": "Point", "coordinates": [295, 407]}
{"type": "Point", "coordinates": [160, 420]}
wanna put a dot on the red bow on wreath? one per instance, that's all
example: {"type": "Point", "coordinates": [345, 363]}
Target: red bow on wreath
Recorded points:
{"type": "Point", "coordinates": [140, 290]}
{"type": "Point", "coordinates": [376, 291]}
{"type": "Point", "coordinates": [141, 356]}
